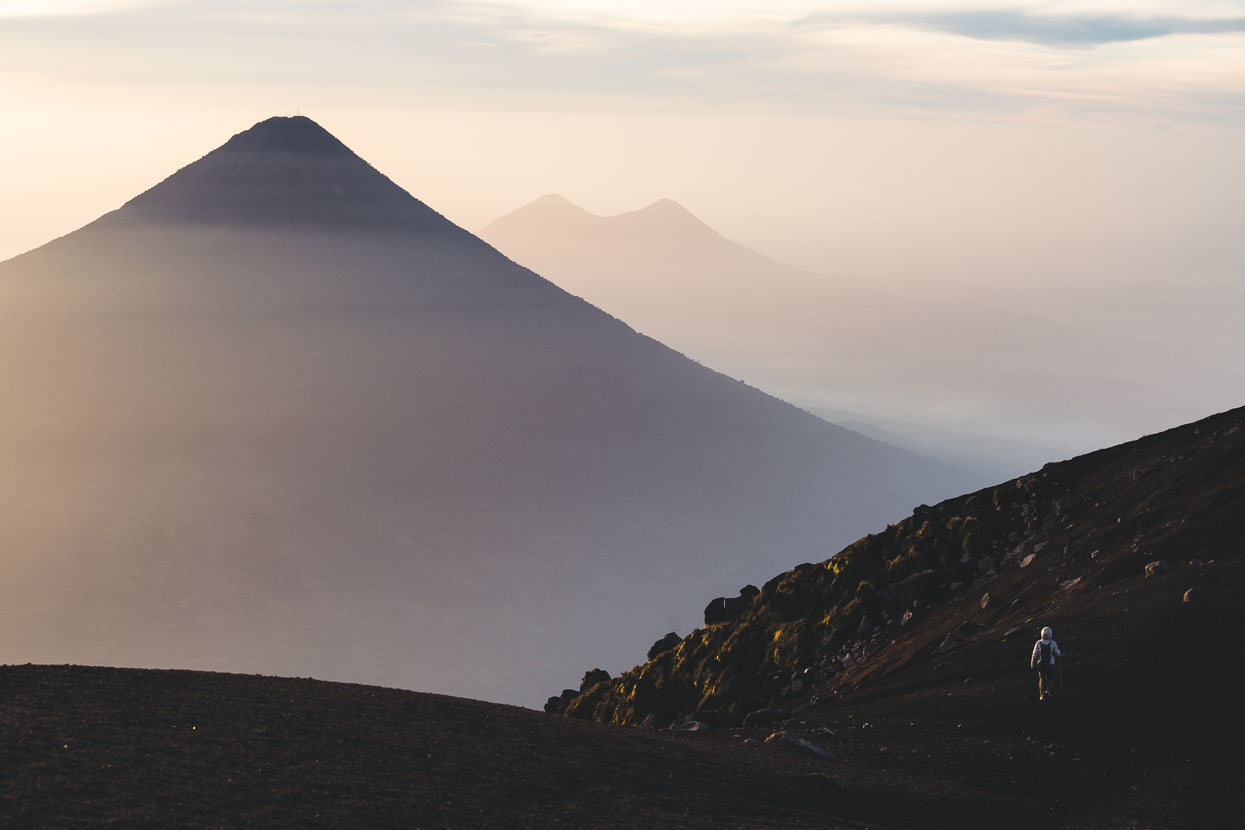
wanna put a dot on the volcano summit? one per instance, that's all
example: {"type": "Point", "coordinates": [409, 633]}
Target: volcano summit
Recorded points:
{"type": "Point", "coordinates": [277, 415]}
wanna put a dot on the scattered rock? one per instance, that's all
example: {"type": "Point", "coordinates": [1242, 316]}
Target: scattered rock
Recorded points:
{"type": "Point", "coordinates": [1070, 583]}
{"type": "Point", "coordinates": [948, 642]}
{"type": "Point", "coordinates": [691, 726]}
{"type": "Point", "coordinates": [794, 741]}
{"type": "Point", "coordinates": [985, 601]}
{"type": "Point", "coordinates": [1192, 596]}
{"type": "Point", "coordinates": [1157, 567]}
{"type": "Point", "coordinates": [1197, 563]}
{"type": "Point", "coordinates": [906, 618]}
{"type": "Point", "coordinates": [1028, 560]}
{"type": "Point", "coordinates": [955, 586]}
{"type": "Point", "coordinates": [987, 564]}
{"type": "Point", "coordinates": [1012, 632]}
{"type": "Point", "coordinates": [664, 644]}
{"type": "Point", "coordinates": [764, 717]}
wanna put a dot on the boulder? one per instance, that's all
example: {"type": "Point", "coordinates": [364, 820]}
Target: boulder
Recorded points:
{"type": "Point", "coordinates": [644, 696]}
{"type": "Point", "coordinates": [725, 609]}
{"type": "Point", "coordinates": [592, 678]}
{"type": "Point", "coordinates": [764, 717]}
{"type": "Point", "coordinates": [839, 635]}
{"type": "Point", "coordinates": [1157, 567]}
{"type": "Point", "coordinates": [690, 726]}
{"type": "Point", "coordinates": [1192, 596]}
{"type": "Point", "coordinates": [865, 628]}
{"type": "Point", "coordinates": [710, 717]}
{"type": "Point", "coordinates": [744, 683]}
{"type": "Point", "coordinates": [791, 740]}
{"type": "Point", "coordinates": [554, 705]}
{"type": "Point", "coordinates": [905, 590]}
{"type": "Point", "coordinates": [770, 587]}
{"type": "Point", "coordinates": [664, 644]}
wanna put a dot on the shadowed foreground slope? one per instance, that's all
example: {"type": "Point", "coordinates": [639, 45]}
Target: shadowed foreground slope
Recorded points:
{"type": "Point", "coordinates": [912, 645]}
{"type": "Point", "coordinates": [86, 746]}
{"type": "Point", "coordinates": [927, 724]}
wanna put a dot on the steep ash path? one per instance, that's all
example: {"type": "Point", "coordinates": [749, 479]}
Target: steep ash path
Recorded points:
{"type": "Point", "coordinates": [89, 746]}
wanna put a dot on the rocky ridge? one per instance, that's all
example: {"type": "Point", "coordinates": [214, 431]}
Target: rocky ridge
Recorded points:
{"type": "Point", "coordinates": [970, 573]}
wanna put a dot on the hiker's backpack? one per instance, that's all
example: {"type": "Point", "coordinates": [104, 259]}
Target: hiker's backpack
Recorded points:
{"type": "Point", "coordinates": [1045, 655]}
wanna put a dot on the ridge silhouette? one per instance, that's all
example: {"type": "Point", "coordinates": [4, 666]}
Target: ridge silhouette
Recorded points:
{"type": "Point", "coordinates": [285, 171]}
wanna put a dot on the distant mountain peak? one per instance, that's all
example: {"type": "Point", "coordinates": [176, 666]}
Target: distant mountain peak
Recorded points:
{"type": "Point", "coordinates": [666, 205]}
{"type": "Point", "coordinates": [555, 199]}
{"type": "Point", "coordinates": [284, 171]}
{"type": "Point", "coordinates": [290, 134]}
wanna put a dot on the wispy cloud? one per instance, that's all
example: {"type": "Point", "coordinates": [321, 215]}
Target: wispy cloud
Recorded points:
{"type": "Point", "coordinates": [796, 56]}
{"type": "Point", "coordinates": [62, 8]}
{"type": "Point", "coordinates": [1060, 30]}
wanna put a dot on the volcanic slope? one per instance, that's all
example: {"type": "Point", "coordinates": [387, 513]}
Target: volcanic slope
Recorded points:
{"type": "Point", "coordinates": [911, 646]}
{"type": "Point", "coordinates": [277, 415]}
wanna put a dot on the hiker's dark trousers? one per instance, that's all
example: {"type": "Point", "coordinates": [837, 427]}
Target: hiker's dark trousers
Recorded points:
{"type": "Point", "coordinates": [1046, 679]}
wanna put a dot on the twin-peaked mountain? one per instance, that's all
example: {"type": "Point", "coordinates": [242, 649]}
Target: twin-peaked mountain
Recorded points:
{"type": "Point", "coordinates": [996, 377]}
{"type": "Point", "coordinates": [276, 415]}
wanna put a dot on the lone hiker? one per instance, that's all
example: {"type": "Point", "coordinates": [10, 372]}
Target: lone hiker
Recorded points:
{"type": "Point", "coordinates": [1045, 651]}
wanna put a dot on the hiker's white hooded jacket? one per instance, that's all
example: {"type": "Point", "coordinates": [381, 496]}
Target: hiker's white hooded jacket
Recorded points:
{"type": "Point", "coordinates": [1037, 651]}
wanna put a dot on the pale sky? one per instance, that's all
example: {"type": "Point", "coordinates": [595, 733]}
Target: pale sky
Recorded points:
{"type": "Point", "coordinates": [915, 141]}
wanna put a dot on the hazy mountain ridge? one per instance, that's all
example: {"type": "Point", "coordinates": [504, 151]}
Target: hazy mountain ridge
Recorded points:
{"type": "Point", "coordinates": [1064, 370]}
{"type": "Point", "coordinates": [244, 435]}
